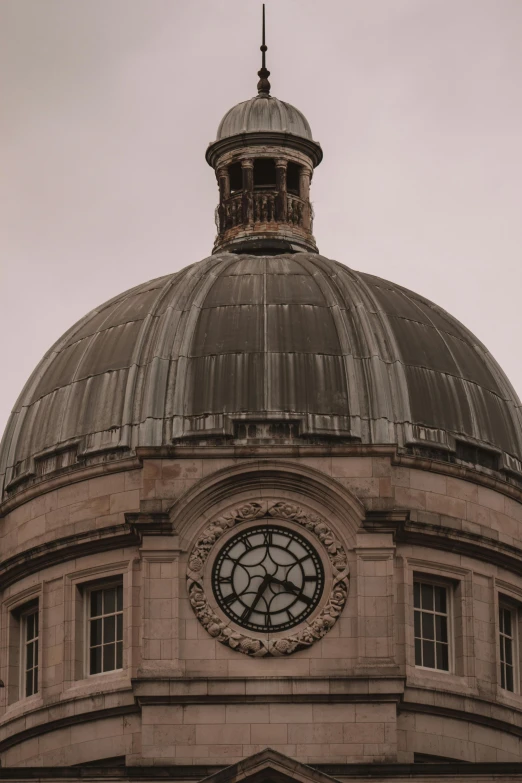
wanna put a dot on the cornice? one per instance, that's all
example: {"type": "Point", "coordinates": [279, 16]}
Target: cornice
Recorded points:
{"type": "Point", "coordinates": [63, 549]}
{"type": "Point", "coordinates": [260, 139]}
{"type": "Point", "coordinates": [254, 452]}
{"type": "Point", "coordinates": [72, 475]}
{"type": "Point", "coordinates": [80, 544]}
{"type": "Point", "coordinates": [448, 539]}
{"type": "Point", "coordinates": [283, 690]}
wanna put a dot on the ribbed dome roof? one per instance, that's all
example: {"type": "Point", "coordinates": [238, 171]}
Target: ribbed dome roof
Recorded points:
{"type": "Point", "coordinates": [297, 336]}
{"type": "Point", "coordinates": [264, 113]}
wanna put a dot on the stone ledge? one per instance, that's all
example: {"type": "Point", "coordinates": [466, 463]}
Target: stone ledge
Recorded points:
{"type": "Point", "coordinates": [507, 772]}
{"type": "Point", "coordinates": [474, 717]}
{"type": "Point", "coordinates": [239, 690]}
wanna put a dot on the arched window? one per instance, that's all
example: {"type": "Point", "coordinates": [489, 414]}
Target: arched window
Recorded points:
{"type": "Point", "coordinates": [264, 174]}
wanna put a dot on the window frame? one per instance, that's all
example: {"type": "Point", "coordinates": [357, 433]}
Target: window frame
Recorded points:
{"type": "Point", "coordinates": [23, 613]}
{"type": "Point", "coordinates": [449, 586]}
{"type": "Point", "coordinates": [86, 590]}
{"type": "Point", "coordinates": [505, 602]}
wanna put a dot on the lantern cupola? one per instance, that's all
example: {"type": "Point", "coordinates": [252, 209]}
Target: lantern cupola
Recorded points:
{"type": "Point", "coordinates": [264, 156]}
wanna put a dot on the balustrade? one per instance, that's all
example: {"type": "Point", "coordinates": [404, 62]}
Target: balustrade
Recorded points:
{"type": "Point", "coordinates": [265, 207]}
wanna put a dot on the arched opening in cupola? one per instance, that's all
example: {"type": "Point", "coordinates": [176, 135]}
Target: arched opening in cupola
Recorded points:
{"type": "Point", "coordinates": [235, 174]}
{"type": "Point", "coordinates": [292, 178]}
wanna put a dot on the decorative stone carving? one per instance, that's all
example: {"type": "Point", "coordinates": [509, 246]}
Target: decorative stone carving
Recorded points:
{"type": "Point", "coordinates": [268, 644]}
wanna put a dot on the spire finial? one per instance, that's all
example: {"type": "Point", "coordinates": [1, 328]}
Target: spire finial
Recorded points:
{"type": "Point", "coordinates": [263, 85]}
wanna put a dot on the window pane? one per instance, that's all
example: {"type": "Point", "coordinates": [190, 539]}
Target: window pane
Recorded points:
{"type": "Point", "coordinates": [442, 657]}
{"type": "Point", "coordinates": [29, 683]}
{"type": "Point", "coordinates": [508, 650]}
{"type": "Point", "coordinates": [109, 626]}
{"type": "Point", "coordinates": [501, 619]}
{"type": "Point", "coordinates": [108, 657]}
{"type": "Point", "coordinates": [119, 598]}
{"type": "Point", "coordinates": [427, 626]}
{"type": "Point", "coordinates": [427, 596]}
{"type": "Point", "coordinates": [96, 656]}
{"type": "Point", "coordinates": [119, 627]}
{"type": "Point", "coordinates": [96, 632]}
{"type": "Point", "coordinates": [440, 599]}
{"type": "Point", "coordinates": [441, 628]}
{"type": "Point", "coordinates": [502, 676]}
{"type": "Point", "coordinates": [29, 626]}
{"type": "Point", "coordinates": [416, 595]}
{"type": "Point", "coordinates": [109, 600]}
{"type": "Point", "coordinates": [428, 654]}
{"type": "Point", "coordinates": [119, 655]}
{"type": "Point", "coordinates": [509, 679]}
{"type": "Point", "coordinates": [418, 652]}
{"type": "Point", "coordinates": [96, 603]}
{"type": "Point", "coordinates": [35, 680]}
{"type": "Point", "coordinates": [507, 622]}
{"type": "Point", "coordinates": [29, 657]}
{"type": "Point", "coordinates": [417, 623]}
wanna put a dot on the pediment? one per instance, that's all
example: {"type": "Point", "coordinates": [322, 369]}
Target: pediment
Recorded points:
{"type": "Point", "coordinates": [268, 766]}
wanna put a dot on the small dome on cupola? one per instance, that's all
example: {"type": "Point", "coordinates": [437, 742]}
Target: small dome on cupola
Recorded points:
{"type": "Point", "coordinates": [264, 113]}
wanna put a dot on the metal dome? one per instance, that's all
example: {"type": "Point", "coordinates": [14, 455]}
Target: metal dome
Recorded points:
{"type": "Point", "coordinates": [264, 113]}
{"type": "Point", "coordinates": [296, 337]}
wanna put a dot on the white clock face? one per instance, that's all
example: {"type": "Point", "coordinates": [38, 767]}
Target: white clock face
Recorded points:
{"type": "Point", "coordinates": [268, 578]}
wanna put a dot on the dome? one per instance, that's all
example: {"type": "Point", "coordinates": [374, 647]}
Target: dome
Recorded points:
{"type": "Point", "coordinates": [296, 338]}
{"type": "Point", "coordinates": [264, 113]}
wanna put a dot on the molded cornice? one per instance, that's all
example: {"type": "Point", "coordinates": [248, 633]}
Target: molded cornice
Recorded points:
{"type": "Point", "coordinates": [291, 452]}
{"type": "Point", "coordinates": [448, 539]}
{"type": "Point", "coordinates": [263, 139]}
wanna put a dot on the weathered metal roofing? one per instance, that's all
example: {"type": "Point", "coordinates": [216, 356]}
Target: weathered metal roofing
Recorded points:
{"type": "Point", "coordinates": [238, 337]}
{"type": "Point", "coordinates": [264, 113]}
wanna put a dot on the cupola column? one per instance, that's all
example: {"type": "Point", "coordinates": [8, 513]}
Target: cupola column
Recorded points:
{"type": "Point", "coordinates": [224, 193]}
{"type": "Point", "coordinates": [247, 169]}
{"type": "Point", "coordinates": [305, 177]}
{"type": "Point", "coordinates": [281, 204]}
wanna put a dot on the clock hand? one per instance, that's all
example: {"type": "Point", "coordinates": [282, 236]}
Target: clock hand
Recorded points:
{"type": "Point", "coordinates": [293, 588]}
{"type": "Point", "coordinates": [262, 587]}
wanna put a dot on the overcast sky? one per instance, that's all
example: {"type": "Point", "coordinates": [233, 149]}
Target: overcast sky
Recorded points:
{"type": "Point", "coordinates": [108, 106]}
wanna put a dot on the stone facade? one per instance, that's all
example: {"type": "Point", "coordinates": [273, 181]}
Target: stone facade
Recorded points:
{"type": "Point", "coordinates": [184, 698]}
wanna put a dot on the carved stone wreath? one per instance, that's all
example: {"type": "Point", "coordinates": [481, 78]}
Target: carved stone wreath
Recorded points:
{"type": "Point", "coordinates": [281, 645]}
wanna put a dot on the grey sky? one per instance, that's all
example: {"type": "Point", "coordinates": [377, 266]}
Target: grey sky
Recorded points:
{"type": "Point", "coordinates": [108, 106]}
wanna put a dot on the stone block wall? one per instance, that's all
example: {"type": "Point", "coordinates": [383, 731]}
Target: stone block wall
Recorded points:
{"type": "Point", "coordinates": [354, 695]}
{"type": "Point", "coordinates": [314, 733]}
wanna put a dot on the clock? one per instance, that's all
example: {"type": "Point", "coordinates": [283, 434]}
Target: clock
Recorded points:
{"type": "Point", "coordinates": [268, 578]}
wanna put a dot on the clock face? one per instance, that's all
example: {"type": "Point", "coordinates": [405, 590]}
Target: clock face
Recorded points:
{"type": "Point", "coordinates": [268, 578]}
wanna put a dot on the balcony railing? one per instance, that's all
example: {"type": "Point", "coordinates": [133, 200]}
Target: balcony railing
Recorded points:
{"type": "Point", "coordinates": [260, 207]}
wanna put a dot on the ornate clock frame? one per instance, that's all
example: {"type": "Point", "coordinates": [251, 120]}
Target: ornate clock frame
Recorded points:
{"type": "Point", "coordinates": [279, 643]}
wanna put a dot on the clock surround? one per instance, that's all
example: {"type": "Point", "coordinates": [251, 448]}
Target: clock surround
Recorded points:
{"type": "Point", "coordinates": [296, 521]}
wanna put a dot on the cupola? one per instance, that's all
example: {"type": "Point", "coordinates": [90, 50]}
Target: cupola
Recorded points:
{"type": "Point", "coordinates": [264, 156]}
